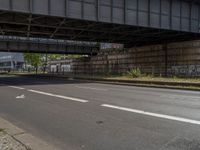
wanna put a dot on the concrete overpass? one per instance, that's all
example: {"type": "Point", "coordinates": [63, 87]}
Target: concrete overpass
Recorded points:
{"type": "Point", "coordinates": [132, 22]}
{"type": "Point", "coordinates": [39, 45]}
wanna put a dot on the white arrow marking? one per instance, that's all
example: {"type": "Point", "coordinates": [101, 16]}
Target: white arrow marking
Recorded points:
{"type": "Point", "coordinates": [20, 96]}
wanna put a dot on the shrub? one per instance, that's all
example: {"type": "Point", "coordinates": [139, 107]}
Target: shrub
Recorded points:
{"type": "Point", "coordinates": [135, 73]}
{"type": "Point", "coordinates": [1, 130]}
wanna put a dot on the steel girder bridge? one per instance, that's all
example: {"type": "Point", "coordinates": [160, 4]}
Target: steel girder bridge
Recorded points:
{"type": "Point", "coordinates": [132, 22]}
{"type": "Point", "coordinates": [40, 45]}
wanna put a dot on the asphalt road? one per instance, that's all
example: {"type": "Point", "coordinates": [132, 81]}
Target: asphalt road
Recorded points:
{"type": "Point", "coordinates": [78, 115]}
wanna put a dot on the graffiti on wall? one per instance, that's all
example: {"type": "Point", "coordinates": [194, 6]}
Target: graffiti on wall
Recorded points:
{"type": "Point", "coordinates": [186, 70]}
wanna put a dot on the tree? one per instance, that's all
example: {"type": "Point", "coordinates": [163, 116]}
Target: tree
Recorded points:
{"type": "Point", "coordinates": [54, 56]}
{"type": "Point", "coordinates": [34, 60]}
{"type": "Point", "coordinates": [48, 57]}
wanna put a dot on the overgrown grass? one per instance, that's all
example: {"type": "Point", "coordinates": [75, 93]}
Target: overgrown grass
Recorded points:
{"type": "Point", "coordinates": [140, 76]}
{"type": "Point", "coordinates": [143, 77]}
{"type": "Point", "coordinates": [1, 130]}
{"type": "Point", "coordinates": [135, 73]}
{"type": "Point", "coordinates": [162, 79]}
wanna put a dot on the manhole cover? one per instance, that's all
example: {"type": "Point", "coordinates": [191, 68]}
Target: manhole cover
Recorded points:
{"type": "Point", "coordinates": [183, 144]}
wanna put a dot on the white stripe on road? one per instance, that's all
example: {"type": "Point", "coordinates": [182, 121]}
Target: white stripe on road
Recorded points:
{"type": "Point", "coordinates": [16, 87]}
{"type": "Point", "coordinates": [91, 88]}
{"type": "Point", "coordinates": [60, 96]}
{"type": "Point", "coordinates": [196, 122]}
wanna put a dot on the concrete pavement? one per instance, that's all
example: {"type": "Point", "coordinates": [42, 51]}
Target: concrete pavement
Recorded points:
{"type": "Point", "coordinates": [13, 137]}
{"type": "Point", "coordinates": [72, 114]}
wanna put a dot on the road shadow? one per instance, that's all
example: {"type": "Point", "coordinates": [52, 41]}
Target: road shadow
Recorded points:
{"type": "Point", "coordinates": [23, 80]}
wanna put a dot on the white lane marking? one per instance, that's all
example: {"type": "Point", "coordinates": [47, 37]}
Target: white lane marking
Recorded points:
{"type": "Point", "coordinates": [180, 119]}
{"type": "Point", "coordinates": [91, 88]}
{"type": "Point", "coordinates": [59, 96]}
{"type": "Point", "coordinates": [186, 97]}
{"type": "Point", "coordinates": [16, 87]}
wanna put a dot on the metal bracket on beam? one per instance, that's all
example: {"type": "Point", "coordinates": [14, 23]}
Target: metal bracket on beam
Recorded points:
{"type": "Point", "coordinates": [97, 10]}
{"type": "Point", "coordinates": [82, 9]}
{"type": "Point", "coordinates": [160, 17]}
{"type": "Point", "coordinates": [49, 7]}
{"type": "Point", "coordinates": [170, 15]}
{"type": "Point", "coordinates": [66, 8]}
{"type": "Point", "coordinates": [181, 14]}
{"type": "Point", "coordinates": [199, 20]}
{"type": "Point", "coordinates": [190, 18]}
{"type": "Point", "coordinates": [57, 28]}
{"type": "Point", "coordinates": [11, 4]}
{"type": "Point", "coordinates": [137, 13]}
{"type": "Point", "coordinates": [125, 11]}
{"type": "Point", "coordinates": [149, 12]}
{"type": "Point", "coordinates": [111, 9]}
{"type": "Point", "coordinates": [29, 25]}
{"type": "Point", "coordinates": [30, 6]}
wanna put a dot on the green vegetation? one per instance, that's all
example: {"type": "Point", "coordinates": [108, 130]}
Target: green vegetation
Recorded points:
{"type": "Point", "coordinates": [143, 77]}
{"type": "Point", "coordinates": [152, 78]}
{"type": "Point", "coordinates": [1, 130]}
{"type": "Point", "coordinates": [61, 56]}
{"type": "Point", "coordinates": [54, 56]}
{"type": "Point", "coordinates": [74, 56]}
{"type": "Point", "coordinates": [38, 62]}
{"type": "Point", "coordinates": [135, 73]}
{"type": "Point", "coordinates": [34, 60]}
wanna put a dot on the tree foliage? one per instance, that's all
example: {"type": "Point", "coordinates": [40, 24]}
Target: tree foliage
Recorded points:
{"type": "Point", "coordinates": [135, 73]}
{"type": "Point", "coordinates": [33, 59]}
{"type": "Point", "coordinates": [54, 56]}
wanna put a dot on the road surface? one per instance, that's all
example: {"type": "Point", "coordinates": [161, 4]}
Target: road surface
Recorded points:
{"type": "Point", "coordinates": [78, 115]}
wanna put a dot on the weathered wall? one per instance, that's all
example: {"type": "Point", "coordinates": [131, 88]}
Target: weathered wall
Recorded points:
{"type": "Point", "coordinates": [171, 59]}
{"type": "Point", "coordinates": [184, 58]}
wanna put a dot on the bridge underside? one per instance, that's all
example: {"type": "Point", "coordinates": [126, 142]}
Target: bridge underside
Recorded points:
{"type": "Point", "coordinates": [30, 25]}
{"type": "Point", "coordinates": [34, 45]}
{"type": "Point", "coordinates": [131, 22]}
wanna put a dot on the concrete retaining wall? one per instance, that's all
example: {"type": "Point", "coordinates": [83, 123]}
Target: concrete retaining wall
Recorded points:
{"type": "Point", "coordinates": [180, 59]}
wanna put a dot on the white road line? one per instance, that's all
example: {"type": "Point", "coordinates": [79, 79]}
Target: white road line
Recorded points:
{"type": "Point", "coordinates": [91, 88]}
{"type": "Point", "coordinates": [59, 96]}
{"type": "Point", "coordinates": [16, 87]}
{"type": "Point", "coordinates": [180, 97]}
{"type": "Point", "coordinates": [180, 119]}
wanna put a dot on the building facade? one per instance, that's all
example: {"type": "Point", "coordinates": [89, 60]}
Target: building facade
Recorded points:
{"type": "Point", "coordinates": [11, 61]}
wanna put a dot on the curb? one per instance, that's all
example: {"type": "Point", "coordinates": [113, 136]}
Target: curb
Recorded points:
{"type": "Point", "coordinates": [148, 84]}
{"type": "Point", "coordinates": [25, 139]}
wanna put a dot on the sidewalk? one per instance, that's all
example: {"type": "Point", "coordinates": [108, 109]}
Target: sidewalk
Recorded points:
{"type": "Point", "coordinates": [14, 138]}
